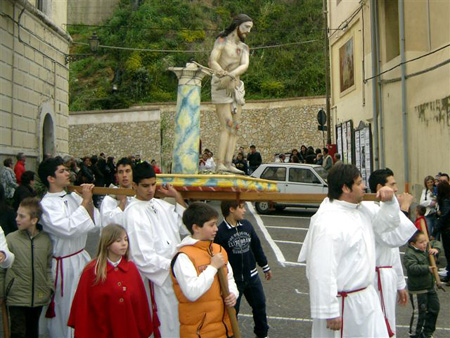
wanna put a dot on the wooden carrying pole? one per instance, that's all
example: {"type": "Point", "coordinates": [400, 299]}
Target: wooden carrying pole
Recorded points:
{"type": "Point", "coordinates": [255, 196]}
{"type": "Point", "coordinates": [5, 319]}
{"type": "Point", "coordinates": [432, 260]}
{"type": "Point", "coordinates": [231, 311]}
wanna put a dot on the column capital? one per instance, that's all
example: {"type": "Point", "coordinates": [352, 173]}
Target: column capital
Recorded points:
{"type": "Point", "coordinates": [190, 75]}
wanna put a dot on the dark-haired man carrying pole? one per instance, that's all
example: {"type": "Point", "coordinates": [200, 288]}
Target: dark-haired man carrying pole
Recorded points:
{"type": "Point", "coordinates": [389, 279]}
{"type": "Point", "coordinates": [154, 227]}
{"type": "Point", "coordinates": [67, 218]}
{"type": "Point", "coordinates": [339, 251]}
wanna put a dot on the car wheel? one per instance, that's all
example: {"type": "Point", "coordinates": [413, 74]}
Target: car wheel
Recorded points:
{"type": "Point", "coordinates": [263, 207]}
{"type": "Point", "coordinates": [280, 208]}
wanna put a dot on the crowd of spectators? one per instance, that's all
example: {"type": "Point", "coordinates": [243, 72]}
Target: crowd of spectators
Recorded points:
{"type": "Point", "coordinates": [18, 182]}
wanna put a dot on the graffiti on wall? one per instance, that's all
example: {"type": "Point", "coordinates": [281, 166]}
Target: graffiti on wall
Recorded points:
{"type": "Point", "coordinates": [437, 111]}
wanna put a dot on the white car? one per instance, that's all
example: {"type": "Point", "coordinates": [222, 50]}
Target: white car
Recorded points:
{"type": "Point", "coordinates": [292, 178]}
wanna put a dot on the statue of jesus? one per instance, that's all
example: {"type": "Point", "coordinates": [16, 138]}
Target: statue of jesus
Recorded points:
{"type": "Point", "coordinates": [229, 59]}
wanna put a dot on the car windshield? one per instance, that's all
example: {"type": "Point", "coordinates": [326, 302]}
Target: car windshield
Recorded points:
{"type": "Point", "coordinates": [322, 173]}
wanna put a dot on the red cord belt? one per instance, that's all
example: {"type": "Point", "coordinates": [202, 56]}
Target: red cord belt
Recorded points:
{"type": "Point", "coordinates": [380, 289]}
{"type": "Point", "coordinates": [59, 269]}
{"type": "Point", "coordinates": [344, 294]}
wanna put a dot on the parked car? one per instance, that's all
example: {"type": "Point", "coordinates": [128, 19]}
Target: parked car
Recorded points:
{"type": "Point", "coordinates": [292, 178]}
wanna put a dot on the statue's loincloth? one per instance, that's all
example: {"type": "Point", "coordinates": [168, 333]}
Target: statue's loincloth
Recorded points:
{"type": "Point", "coordinates": [223, 95]}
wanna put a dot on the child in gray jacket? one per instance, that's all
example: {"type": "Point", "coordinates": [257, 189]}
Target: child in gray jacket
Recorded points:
{"type": "Point", "coordinates": [27, 284]}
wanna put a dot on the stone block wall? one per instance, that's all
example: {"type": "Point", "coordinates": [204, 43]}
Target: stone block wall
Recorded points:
{"type": "Point", "coordinates": [117, 133]}
{"type": "Point", "coordinates": [273, 126]}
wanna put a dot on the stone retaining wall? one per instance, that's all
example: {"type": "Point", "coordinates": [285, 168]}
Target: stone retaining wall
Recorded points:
{"type": "Point", "coordinates": [273, 126]}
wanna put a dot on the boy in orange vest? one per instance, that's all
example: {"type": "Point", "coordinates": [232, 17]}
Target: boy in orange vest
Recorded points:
{"type": "Point", "coordinates": [194, 273]}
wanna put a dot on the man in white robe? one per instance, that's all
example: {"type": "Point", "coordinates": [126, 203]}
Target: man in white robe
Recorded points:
{"type": "Point", "coordinates": [112, 207]}
{"type": "Point", "coordinates": [67, 218]}
{"type": "Point", "coordinates": [389, 278]}
{"type": "Point", "coordinates": [340, 253]}
{"type": "Point", "coordinates": [154, 227]}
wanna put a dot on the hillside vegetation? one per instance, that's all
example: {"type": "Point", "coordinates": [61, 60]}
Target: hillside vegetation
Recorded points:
{"type": "Point", "coordinates": [190, 27]}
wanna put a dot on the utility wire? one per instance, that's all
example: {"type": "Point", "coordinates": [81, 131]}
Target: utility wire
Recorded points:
{"type": "Point", "coordinates": [255, 29]}
{"type": "Point", "coordinates": [407, 61]}
{"type": "Point", "coordinates": [190, 51]}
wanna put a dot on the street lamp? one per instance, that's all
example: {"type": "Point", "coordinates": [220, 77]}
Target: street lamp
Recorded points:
{"type": "Point", "coordinates": [94, 43]}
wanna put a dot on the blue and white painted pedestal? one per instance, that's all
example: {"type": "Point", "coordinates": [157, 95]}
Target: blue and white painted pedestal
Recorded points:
{"type": "Point", "coordinates": [187, 120]}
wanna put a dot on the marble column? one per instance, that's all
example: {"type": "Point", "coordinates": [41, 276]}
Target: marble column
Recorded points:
{"type": "Point", "coordinates": [187, 121]}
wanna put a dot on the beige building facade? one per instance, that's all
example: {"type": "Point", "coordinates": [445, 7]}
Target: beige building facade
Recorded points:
{"type": "Point", "coordinates": [34, 79]}
{"type": "Point", "coordinates": [274, 126]}
{"type": "Point", "coordinates": [401, 91]}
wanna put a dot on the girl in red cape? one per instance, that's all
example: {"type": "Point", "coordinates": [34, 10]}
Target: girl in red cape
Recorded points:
{"type": "Point", "coordinates": [110, 300]}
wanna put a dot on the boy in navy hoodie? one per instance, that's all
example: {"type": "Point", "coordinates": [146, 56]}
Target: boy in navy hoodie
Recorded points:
{"type": "Point", "coordinates": [244, 250]}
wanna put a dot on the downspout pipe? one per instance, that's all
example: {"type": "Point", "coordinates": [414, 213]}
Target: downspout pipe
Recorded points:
{"type": "Point", "coordinates": [401, 13]}
{"type": "Point", "coordinates": [373, 25]}
{"type": "Point", "coordinates": [380, 91]}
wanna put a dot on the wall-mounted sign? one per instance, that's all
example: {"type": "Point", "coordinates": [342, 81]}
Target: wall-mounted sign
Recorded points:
{"type": "Point", "coordinates": [363, 151]}
{"type": "Point", "coordinates": [345, 141]}
{"type": "Point", "coordinates": [339, 139]}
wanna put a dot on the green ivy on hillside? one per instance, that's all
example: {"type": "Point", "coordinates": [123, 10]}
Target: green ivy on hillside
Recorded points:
{"type": "Point", "coordinates": [142, 76]}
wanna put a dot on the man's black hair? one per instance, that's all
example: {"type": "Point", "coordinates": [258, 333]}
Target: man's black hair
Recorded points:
{"type": "Point", "coordinates": [237, 21]}
{"type": "Point", "coordinates": [48, 168]}
{"type": "Point", "coordinates": [198, 213]}
{"type": "Point", "coordinates": [379, 177]}
{"type": "Point", "coordinates": [142, 171]}
{"type": "Point", "coordinates": [124, 161]}
{"type": "Point", "coordinates": [341, 175]}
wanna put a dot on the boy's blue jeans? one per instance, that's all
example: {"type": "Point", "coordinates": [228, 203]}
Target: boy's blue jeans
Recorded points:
{"type": "Point", "coordinates": [254, 293]}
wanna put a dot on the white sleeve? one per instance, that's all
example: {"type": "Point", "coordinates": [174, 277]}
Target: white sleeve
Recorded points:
{"type": "Point", "coordinates": [324, 255]}
{"type": "Point", "coordinates": [9, 256]}
{"type": "Point", "coordinates": [398, 236]}
{"type": "Point", "coordinates": [111, 212]}
{"type": "Point", "coordinates": [143, 240]}
{"type": "Point", "coordinates": [179, 209]}
{"type": "Point", "coordinates": [193, 286]}
{"type": "Point", "coordinates": [386, 217]}
{"type": "Point", "coordinates": [58, 223]}
{"type": "Point", "coordinates": [232, 287]}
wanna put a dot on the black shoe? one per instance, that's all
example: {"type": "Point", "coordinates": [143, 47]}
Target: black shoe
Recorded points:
{"type": "Point", "coordinates": [445, 279]}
